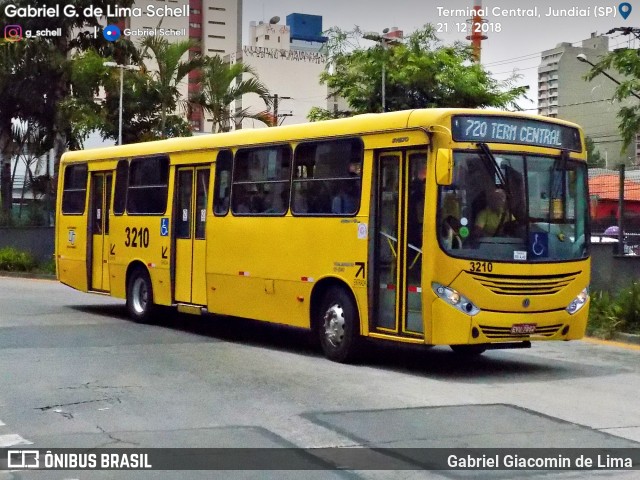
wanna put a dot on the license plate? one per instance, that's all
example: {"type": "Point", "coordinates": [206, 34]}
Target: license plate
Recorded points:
{"type": "Point", "coordinates": [521, 328]}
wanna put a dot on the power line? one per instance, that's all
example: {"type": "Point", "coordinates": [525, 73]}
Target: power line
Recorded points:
{"type": "Point", "coordinates": [531, 56]}
{"type": "Point", "coordinates": [567, 104]}
{"type": "Point", "coordinates": [515, 59]}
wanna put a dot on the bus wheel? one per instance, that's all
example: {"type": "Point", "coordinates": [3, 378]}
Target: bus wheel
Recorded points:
{"type": "Point", "coordinates": [338, 326]}
{"type": "Point", "coordinates": [469, 350]}
{"type": "Point", "coordinates": [140, 296]}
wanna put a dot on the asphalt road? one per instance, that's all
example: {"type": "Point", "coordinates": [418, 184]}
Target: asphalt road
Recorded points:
{"type": "Point", "coordinates": [76, 373]}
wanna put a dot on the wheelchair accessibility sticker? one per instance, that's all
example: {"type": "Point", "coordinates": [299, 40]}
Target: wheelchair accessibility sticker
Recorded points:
{"type": "Point", "coordinates": [164, 227]}
{"type": "Point", "coordinates": [539, 244]}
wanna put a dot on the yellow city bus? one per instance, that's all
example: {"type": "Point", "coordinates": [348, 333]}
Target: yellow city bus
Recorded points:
{"type": "Point", "coordinates": [382, 225]}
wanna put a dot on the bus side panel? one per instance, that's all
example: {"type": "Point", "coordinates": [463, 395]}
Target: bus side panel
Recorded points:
{"type": "Point", "coordinates": [269, 275]}
{"type": "Point", "coordinates": [139, 239]}
{"type": "Point", "coordinates": [118, 273]}
{"type": "Point", "coordinates": [258, 298]}
{"type": "Point", "coordinates": [72, 251]}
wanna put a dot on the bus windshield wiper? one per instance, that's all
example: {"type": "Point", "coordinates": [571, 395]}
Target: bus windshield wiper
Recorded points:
{"type": "Point", "coordinates": [484, 148]}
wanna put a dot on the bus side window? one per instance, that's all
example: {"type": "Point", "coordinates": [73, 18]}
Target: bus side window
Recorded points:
{"type": "Point", "coordinates": [261, 180]}
{"type": "Point", "coordinates": [74, 189]}
{"type": "Point", "coordinates": [148, 185]}
{"type": "Point", "coordinates": [222, 185]}
{"type": "Point", "coordinates": [326, 178]}
{"type": "Point", "coordinates": [120, 195]}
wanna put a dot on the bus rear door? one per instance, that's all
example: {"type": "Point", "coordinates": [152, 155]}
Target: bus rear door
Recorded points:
{"type": "Point", "coordinates": [190, 217]}
{"type": "Point", "coordinates": [99, 228]}
{"type": "Point", "coordinates": [397, 252]}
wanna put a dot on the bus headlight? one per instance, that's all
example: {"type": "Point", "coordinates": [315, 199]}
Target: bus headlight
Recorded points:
{"type": "Point", "coordinates": [454, 299]}
{"type": "Point", "coordinates": [578, 302]}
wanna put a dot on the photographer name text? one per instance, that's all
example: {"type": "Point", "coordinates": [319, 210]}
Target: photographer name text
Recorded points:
{"type": "Point", "coordinates": [114, 11]}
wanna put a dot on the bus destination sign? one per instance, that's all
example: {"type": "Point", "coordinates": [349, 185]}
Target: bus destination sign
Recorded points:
{"type": "Point", "coordinates": [493, 129]}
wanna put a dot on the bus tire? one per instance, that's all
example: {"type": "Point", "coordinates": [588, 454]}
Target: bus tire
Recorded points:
{"type": "Point", "coordinates": [339, 326]}
{"type": "Point", "coordinates": [140, 296]}
{"type": "Point", "coordinates": [469, 350]}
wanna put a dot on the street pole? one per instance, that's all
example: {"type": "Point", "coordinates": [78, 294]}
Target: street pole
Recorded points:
{"type": "Point", "coordinates": [621, 211]}
{"type": "Point", "coordinates": [583, 58]}
{"type": "Point", "coordinates": [376, 37]}
{"type": "Point", "coordinates": [120, 108]}
{"type": "Point", "coordinates": [276, 99]}
{"type": "Point", "coordinates": [275, 108]}
{"type": "Point", "coordinates": [384, 75]}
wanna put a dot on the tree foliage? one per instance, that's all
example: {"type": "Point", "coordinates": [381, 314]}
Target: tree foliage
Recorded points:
{"type": "Point", "coordinates": [420, 72]}
{"type": "Point", "coordinates": [594, 159]}
{"type": "Point", "coordinates": [34, 79]}
{"type": "Point", "coordinates": [626, 64]}
{"type": "Point", "coordinates": [222, 84]}
{"type": "Point", "coordinates": [170, 70]}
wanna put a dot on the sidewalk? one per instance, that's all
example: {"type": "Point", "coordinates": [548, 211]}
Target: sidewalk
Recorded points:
{"type": "Point", "coordinates": [40, 276]}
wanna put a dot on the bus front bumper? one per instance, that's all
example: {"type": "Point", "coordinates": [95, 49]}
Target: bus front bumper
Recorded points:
{"type": "Point", "coordinates": [452, 327]}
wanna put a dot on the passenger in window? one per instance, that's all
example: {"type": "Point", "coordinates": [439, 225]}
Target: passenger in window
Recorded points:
{"type": "Point", "coordinates": [345, 201]}
{"type": "Point", "coordinates": [318, 198]}
{"type": "Point", "coordinates": [269, 204]}
{"type": "Point", "coordinates": [258, 202]}
{"type": "Point", "coordinates": [451, 220]}
{"type": "Point", "coordinates": [222, 204]}
{"type": "Point", "coordinates": [243, 202]}
{"type": "Point", "coordinates": [491, 221]}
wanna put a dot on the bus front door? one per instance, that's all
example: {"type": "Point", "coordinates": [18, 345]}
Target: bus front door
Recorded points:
{"type": "Point", "coordinates": [99, 227]}
{"type": "Point", "coordinates": [190, 219]}
{"type": "Point", "coordinates": [397, 252]}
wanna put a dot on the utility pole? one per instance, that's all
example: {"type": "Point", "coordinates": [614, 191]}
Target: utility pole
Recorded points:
{"type": "Point", "coordinates": [276, 115]}
{"type": "Point", "coordinates": [626, 31]}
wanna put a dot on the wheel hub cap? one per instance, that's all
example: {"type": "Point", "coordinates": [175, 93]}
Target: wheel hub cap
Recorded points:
{"type": "Point", "coordinates": [334, 325]}
{"type": "Point", "coordinates": [139, 296]}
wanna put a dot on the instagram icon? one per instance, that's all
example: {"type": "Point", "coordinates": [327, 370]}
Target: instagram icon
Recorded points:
{"type": "Point", "coordinates": [13, 33]}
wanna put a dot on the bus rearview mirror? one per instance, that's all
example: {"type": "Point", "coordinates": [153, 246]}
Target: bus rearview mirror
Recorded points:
{"type": "Point", "coordinates": [444, 167]}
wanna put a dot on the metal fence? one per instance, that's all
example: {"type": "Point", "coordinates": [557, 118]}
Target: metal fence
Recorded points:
{"type": "Point", "coordinates": [615, 207]}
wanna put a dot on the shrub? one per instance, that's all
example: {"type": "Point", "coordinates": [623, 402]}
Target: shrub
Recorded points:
{"type": "Point", "coordinates": [13, 260]}
{"type": "Point", "coordinates": [628, 301]}
{"type": "Point", "coordinates": [620, 313]}
{"type": "Point", "coordinates": [48, 267]}
{"type": "Point", "coordinates": [603, 315]}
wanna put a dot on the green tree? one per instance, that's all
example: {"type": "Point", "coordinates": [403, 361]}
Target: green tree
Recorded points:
{"type": "Point", "coordinates": [594, 159]}
{"type": "Point", "coordinates": [35, 77]}
{"type": "Point", "coordinates": [170, 70]}
{"type": "Point", "coordinates": [421, 72]}
{"type": "Point", "coordinates": [222, 84]}
{"type": "Point", "coordinates": [317, 113]}
{"type": "Point", "coordinates": [24, 98]}
{"type": "Point", "coordinates": [626, 63]}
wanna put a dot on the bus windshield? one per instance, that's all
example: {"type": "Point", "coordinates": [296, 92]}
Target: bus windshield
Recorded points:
{"type": "Point", "coordinates": [506, 206]}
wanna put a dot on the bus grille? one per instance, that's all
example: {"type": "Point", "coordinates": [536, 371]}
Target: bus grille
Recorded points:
{"type": "Point", "coordinates": [524, 285]}
{"type": "Point", "coordinates": [505, 332]}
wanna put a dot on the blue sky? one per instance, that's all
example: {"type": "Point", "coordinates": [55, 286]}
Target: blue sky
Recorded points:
{"type": "Point", "coordinates": [516, 47]}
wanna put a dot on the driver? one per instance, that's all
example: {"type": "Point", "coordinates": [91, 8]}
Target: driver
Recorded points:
{"type": "Point", "coordinates": [491, 220]}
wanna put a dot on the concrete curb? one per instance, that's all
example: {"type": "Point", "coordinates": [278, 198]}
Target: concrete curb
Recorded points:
{"type": "Point", "coordinates": [39, 276]}
{"type": "Point", "coordinates": [627, 338]}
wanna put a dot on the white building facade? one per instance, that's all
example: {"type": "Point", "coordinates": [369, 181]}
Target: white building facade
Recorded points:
{"type": "Point", "coordinates": [288, 61]}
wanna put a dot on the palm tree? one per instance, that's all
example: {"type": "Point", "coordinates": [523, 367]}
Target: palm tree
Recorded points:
{"type": "Point", "coordinates": [221, 85]}
{"type": "Point", "coordinates": [170, 70]}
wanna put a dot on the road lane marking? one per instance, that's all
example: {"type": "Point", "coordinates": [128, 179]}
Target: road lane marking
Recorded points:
{"type": "Point", "coordinates": [13, 439]}
{"type": "Point", "coordinates": [611, 343]}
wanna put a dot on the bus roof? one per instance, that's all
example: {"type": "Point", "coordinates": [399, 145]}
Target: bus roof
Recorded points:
{"type": "Point", "coordinates": [356, 125]}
